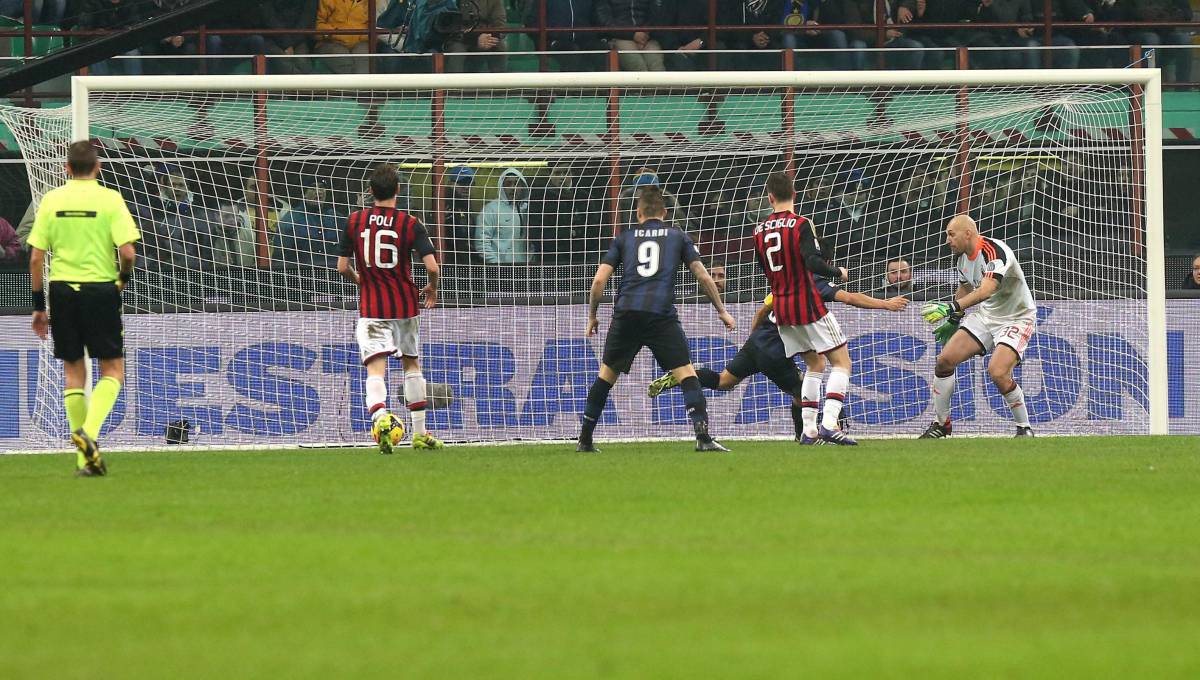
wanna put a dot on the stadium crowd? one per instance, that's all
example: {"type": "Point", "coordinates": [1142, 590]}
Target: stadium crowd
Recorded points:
{"type": "Point", "coordinates": [482, 31]}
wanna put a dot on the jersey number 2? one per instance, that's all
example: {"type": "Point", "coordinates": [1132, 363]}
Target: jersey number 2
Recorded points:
{"type": "Point", "coordinates": [380, 253]}
{"type": "Point", "coordinates": [774, 245]}
{"type": "Point", "coordinates": [648, 254]}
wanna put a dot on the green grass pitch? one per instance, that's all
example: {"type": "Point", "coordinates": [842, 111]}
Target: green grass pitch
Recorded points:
{"type": "Point", "coordinates": [962, 558]}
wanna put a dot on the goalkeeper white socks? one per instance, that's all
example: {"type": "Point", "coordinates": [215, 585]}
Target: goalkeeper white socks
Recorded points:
{"type": "Point", "coordinates": [414, 394]}
{"type": "Point", "coordinates": [1016, 402]}
{"type": "Point", "coordinates": [376, 396]}
{"type": "Point", "coordinates": [810, 396]}
{"type": "Point", "coordinates": [943, 389]}
{"type": "Point", "coordinates": [835, 395]}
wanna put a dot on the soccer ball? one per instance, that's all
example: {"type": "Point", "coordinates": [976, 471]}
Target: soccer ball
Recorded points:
{"type": "Point", "coordinates": [396, 433]}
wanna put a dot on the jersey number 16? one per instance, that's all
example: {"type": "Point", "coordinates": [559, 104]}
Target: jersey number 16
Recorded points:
{"type": "Point", "coordinates": [380, 252]}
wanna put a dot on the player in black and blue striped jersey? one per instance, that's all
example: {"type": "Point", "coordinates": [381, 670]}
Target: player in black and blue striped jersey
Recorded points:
{"type": "Point", "coordinates": [763, 353]}
{"type": "Point", "coordinates": [644, 315]}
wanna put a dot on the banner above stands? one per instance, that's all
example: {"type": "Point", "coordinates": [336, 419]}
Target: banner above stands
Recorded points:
{"type": "Point", "coordinates": [286, 379]}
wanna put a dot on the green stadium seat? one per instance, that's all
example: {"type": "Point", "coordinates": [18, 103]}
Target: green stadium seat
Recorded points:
{"type": "Point", "coordinates": [42, 45]}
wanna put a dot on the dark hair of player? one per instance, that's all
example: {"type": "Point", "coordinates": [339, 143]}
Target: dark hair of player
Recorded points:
{"type": "Point", "coordinates": [651, 203]}
{"type": "Point", "coordinates": [384, 182]}
{"type": "Point", "coordinates": [81, 158]}
{"type": "Point", "coordinates": [780, 186]}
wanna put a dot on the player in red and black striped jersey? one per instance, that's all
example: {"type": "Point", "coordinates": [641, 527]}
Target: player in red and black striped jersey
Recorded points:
{"type": "Point", "coordinates": [376, 253]}
{"type": "Point", "coordinates": [789, 254]}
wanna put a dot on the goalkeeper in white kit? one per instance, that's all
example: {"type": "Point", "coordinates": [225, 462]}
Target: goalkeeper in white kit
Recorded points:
{"type": "Point", "coordinates": [990, 277]}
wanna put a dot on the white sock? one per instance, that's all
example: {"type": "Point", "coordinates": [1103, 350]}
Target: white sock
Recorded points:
{"type": "Point", "coordinates": [810, 396]}
{"type": "Point", "coordinates": [1016, 401]}
{"type": "Point", "coordinates": [943, 389]}
{"type": "Point", "coordinates": [376, 396]}
{"type": "Point", "coordinates": [414, 394]}
{"type": "Point", "coordinates": [835, 396]}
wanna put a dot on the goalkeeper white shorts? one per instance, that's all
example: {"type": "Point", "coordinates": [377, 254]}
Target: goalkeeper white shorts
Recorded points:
{"type": "Point", "coordinates": [385, 337]}
{"type": "Point", "coordinates": [822, 335]}
{"type": "Point", "coordinates": [991, 332]}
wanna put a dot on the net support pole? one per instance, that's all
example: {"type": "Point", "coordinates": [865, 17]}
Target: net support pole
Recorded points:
{"type": "Point", "coordinates": [262, 178]}
{"type": "Point", "coordinates": [614, 139]}
{"type": "Point", "coordinates": [1156, 278]}
{"type": "Point", "coordinates": [789, 118]}
{"type": "Point", "coordinates": [962, 159]}
{"type": "Point", "coordinates": [437, 173]}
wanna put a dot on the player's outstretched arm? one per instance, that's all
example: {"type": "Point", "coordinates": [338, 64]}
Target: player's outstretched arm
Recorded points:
{"type": "Point", "coordinates": [861, 301]}
{"type": "Point", "coordinates": [711, 292]}
{"type": "Point", "coordinates": [430, 289]}
{"type": "Point", "coordinates": [347, 270]}
{"type": "Point", "coordinates": [598, 282]}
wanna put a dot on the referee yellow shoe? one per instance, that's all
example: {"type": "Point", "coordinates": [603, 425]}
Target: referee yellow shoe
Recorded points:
{"type": "Point", "coordinates": [92, 464]}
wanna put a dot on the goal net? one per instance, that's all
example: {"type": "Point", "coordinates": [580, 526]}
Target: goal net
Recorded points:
{"type": "Point", "coordinates": [238, 323]}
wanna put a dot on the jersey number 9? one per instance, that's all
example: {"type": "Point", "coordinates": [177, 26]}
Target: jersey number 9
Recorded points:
{"type": "Point", "coordinates": [648, 255]}
{"type": "Point", "coordinates": [380, 253]}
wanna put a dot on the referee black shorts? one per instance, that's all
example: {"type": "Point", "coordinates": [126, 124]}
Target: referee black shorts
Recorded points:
{"type": "Point", "coordinates": [631, 331]}
{"type": "Point", "coordinates": [86, 315]}
{"type": "Point", "coordinates": [751, 359]}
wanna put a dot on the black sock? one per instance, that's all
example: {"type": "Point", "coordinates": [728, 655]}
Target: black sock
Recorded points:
{"type": "Point", "coordinates": [697, 406]}
{"type": "Point", "coordinates": [798, 419]}
{"type": "Point", "coordinates": [708, 378]}
{"type": "Point", "coordinates": [597, 397]}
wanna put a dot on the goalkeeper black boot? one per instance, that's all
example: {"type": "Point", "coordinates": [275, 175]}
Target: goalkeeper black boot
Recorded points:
{"type": "Point", "coordinates": [710, 445]}
{"type": "Point", "coordinates": [936, 430]}
{"type": "Point", "coordinates": [1024, 431]}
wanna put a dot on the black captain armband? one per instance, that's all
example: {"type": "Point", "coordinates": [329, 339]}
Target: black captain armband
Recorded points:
{"type": "Point", "coordinates": [39, 300]}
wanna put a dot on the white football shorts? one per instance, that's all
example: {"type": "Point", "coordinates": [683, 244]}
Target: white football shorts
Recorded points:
{"type": "Point", "coordinates": [380, 337]}
{"type": "Point", "coordinates": [822, 335]}
{"type": "Point", "coordinates": [991, 332]}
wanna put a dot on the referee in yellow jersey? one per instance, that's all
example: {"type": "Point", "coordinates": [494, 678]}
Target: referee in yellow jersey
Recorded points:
{"type": "Point", "coordinates": [81, 223]}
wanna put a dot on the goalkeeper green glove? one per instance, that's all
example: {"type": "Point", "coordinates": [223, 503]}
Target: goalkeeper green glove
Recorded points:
{"type": "Point", "coordinates": [944, 332]}
{"type": "Point", "coordinates": [934, 312]}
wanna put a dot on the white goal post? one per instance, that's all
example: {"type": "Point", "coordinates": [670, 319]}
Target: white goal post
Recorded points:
{"type": "Point", "coordinates": [983, 131]}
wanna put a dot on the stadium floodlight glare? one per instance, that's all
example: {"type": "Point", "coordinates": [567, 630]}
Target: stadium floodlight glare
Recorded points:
{"type": "Point", "coordinates": [237, 323]}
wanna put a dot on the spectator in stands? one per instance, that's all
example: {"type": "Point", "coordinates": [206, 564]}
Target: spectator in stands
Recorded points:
{"type": "Point", "coordinates": [48, 12]}
{"type": "Point", "coordinates": [763, 46]}
{"type": "Point", "coordinates": [241, 44]}
{"type": "Point", "coordinates": [342, 15]}
{"type": "Point", "coordinates": [500, 230]}
{"type": "Point", "coordinates": [1062, 10]}
{"type": "Point", "coordinates": [1192, 281]}
{"type": "Point", "coordinates": [643, 177]}
{"type": "Point", "coordinates": [12, 252]}
{"type": "Point", "coordinates": [1114, 38]}
{"type": "Point", "coordinates": [863, 12]}
{"type": "Point", "coordinates": [570, 14]}
{"type": "Point", "coordinates": [234, 241]}
{"type": "Point", "coordinates": [687, 48]}
{"type": "Point", "coordinates": [247, 210]}
{"type": "Point", "coordinates": [897, 278]}
{"type": "Point", "coordinates": [308, 233]}
{"type": "Point", "coordinates": [112, 15]}
{"type": "Point", "coordinates": [1165, 10]}
{"type": "Point", "coordinates": [284, 14]}
{"type": "Point", "coordinates": [460, 216]}
{"type": "Point", "coordinates": [175, 228]}
{"type": "Point", "coordinates": [557, 213]}
{"type": "Point", "coordinates": [173, 47]}
{"type": "Point", "coordinates": [639, 50]}
{"type": "Point", "coordinates": [1005, 11]}
{"type": "Point", "coordinates": [487, 46]}
{"type": "Point", "coordinates": [938, 44]}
